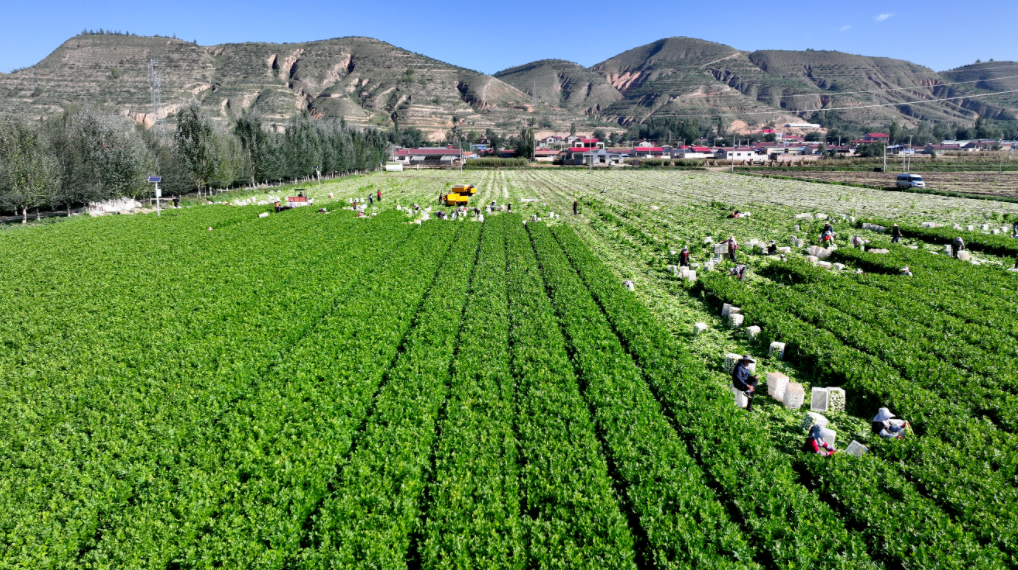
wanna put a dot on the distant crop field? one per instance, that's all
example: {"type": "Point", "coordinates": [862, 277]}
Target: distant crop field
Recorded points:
{"type": "Point", "coordinates": [1004, 184]}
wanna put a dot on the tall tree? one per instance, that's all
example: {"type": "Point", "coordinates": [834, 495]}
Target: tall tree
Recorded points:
{"type": "Point", "coordinates": [893, 132]}
{"type": "Point", "coordinates": [27, 173]}
{"type": "Point", "coordinates": [195, 144]}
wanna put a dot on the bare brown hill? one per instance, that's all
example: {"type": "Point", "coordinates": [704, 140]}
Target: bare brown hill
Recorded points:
{"type": "Point", "coordinates": [371, 83]}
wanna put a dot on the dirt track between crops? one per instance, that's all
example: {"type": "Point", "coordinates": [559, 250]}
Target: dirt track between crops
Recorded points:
{"type": "Point", "coordinates": [986, 183]}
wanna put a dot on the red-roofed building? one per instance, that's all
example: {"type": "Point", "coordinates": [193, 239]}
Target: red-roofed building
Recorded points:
{"type": "Point", "coordinates": [876, 138]}
{"type": "Point", "coordinates": [693, 152]}
{"type": "Point", "coordinates": [587, 143]}
{"type": "Point", "coordinates": [650, 152]}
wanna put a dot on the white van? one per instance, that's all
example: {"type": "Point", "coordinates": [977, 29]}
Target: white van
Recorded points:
{"type": "Point", "coordinates": [910, 181]}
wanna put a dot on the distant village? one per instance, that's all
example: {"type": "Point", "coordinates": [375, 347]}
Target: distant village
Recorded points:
{"type": "Point", "coordinates": [779, 147]}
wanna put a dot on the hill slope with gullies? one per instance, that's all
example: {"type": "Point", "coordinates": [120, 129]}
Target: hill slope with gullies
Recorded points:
{"type": "Point", "coordinates": [368, 82]}
{"type": "Point", "coordinates": [364, 81]}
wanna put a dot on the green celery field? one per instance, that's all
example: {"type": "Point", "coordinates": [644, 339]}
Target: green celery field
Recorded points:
{"type": "Point", "coordinates": [214, 389]}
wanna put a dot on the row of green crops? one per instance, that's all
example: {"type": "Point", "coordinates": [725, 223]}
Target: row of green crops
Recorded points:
{"type": "Point", "coordinates": [679, 516]}
{"type": "Point", "coordinates": [1000, 244]}
{"type": "Point", "coordinates": [871, 384]}
{"type": "Point", "coordinates": [473, 520]}
{"type": "Point", "coordinates": [283, 445]}
{"type": "Point", "coordinates": [370, 515]}
{"type": "Point", "coordinates": [97, 425]}
{"type": "Point", "coordinates": [789, 525]}
{"type": "Point", "coordinates": [918, 353]}
{"type": "Point", "coordinates": [573, 519]}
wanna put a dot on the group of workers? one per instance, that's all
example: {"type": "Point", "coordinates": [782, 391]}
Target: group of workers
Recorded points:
{"type": "Point", "coordinates": [883, 424]}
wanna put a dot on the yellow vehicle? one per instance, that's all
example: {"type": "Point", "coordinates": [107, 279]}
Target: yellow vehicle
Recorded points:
{"type": "Point", "coordinates": [453, 199]}
{"type": "Point", "coordinates": [459, 195]}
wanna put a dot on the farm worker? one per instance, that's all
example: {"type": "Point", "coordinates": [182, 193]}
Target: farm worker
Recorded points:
{"type": "Point", "coordinates": [684, 257]}
{"type": "Point", "coordinates": [1014, 228]}
{"type": "Point", "coordinates": [958, 245]}
{"type": "Point", "coordinates": [895, 233]}
{"type": "Point", "coordinates": [331, 196]}
{"type": "Point", "coordinates": [738, 271]}
{"type": "Point", "coordinates": [322, 211]}
{"type": "Point", "coordinates": [379, 195]}
{"type": "Point", "coordinates": [884, 427]}
{"type": "Point", "coordinates": [355, 204]}
{"type": "Point", "coordinates": [772, 248]}
{"type": "Point", "coordinates": [744, 381]}
{"type": "Point", "coordinates": [734, 215]}
{"type": "Point", "coordinates": [815, 442]}
{"type": "Point", "coordinates": [827, 235]}
{"type": "Point", "coordinates": [905, 271]}
{"type": "Point", "coordinates": [441, 198]}
{"type": "Point", "coordinates": [509, 207]}
{"type": "Point", "coordinates": [176, 202]}
{"type": "Point", "coordinates": [575, 207]}
{"type": "Point", "coordinates": [732, 249]}
{"type": "Point", "coordinates": [1016, 261]}
{"type": "Point", "coordinates": [300, 194]}
{"type": "Point", "coordinates": [278, 208]}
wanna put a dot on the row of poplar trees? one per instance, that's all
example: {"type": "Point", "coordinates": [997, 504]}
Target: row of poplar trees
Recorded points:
{"type": "Point", "coordinates": [92, 154]}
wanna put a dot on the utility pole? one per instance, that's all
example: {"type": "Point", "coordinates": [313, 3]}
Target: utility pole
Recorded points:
{"type": "Point", "coordinates": [885, 158]}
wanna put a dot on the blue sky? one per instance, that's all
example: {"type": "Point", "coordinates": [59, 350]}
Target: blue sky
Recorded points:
{"type": "Point", "coordinates": [490, 36]}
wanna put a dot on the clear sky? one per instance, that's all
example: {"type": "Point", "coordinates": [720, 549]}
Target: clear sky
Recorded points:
{"type": "Point", "coordinates": [491, 36]}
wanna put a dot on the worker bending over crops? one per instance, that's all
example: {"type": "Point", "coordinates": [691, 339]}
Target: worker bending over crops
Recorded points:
{"type": "Point", "coordinates": [827, 235]}
{"type": "Point", "coordinates": [576, 207]}
{"type": "Point", "coordinates": [958, 245]}
{"type": "Point", "coordinates": [815, 442]}
{"type": "Point", "coordinates": [905, 272]}
{"type": "Point", "coordinates": [772, 248]}
{"type": "Point", "coordinates": [744, 381]}
{"type": "Point", "coordinates": [739, 271]}
{"type": "Point", "coordinates": [888, 428]}
{"type": "Point", "coordinates": [895, 233]}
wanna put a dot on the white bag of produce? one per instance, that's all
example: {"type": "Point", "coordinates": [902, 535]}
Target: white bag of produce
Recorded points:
{"type": "Point", "coordinates": [731, 359]}
{"type": "Point", "coordinates": [777, 350]}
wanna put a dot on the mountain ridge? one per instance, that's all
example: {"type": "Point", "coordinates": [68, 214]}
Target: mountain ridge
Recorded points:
{"type": "Point", "coordinates": [368, 82]}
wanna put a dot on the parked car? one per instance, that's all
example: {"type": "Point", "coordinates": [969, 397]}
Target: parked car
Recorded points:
{"type": "Point", "coordinates": [910, 181]}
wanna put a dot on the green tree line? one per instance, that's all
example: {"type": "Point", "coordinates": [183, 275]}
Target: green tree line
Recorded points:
{"type": "Point", "coordinates": [93, 154]}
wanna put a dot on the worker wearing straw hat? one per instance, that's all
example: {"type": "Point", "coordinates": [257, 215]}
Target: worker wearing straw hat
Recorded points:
{"type": "Point", "coordinates": [816, 444]}
{"type": "Point", "coordinates": [744, 381]}
{"type": "Point", "coordinates": [885, 427]}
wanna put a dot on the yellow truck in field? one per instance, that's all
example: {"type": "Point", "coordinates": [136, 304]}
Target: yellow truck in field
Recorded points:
{"type": "Point", "coordinates": [459, 195]}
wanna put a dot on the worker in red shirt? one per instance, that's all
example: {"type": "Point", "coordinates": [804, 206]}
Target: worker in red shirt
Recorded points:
{"type": "Point", "coordinates": [379, 195]}
{"type": "Point", "coordinates": [684, 257]}
{"type": "Point", "coordinates": [815, 442]}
